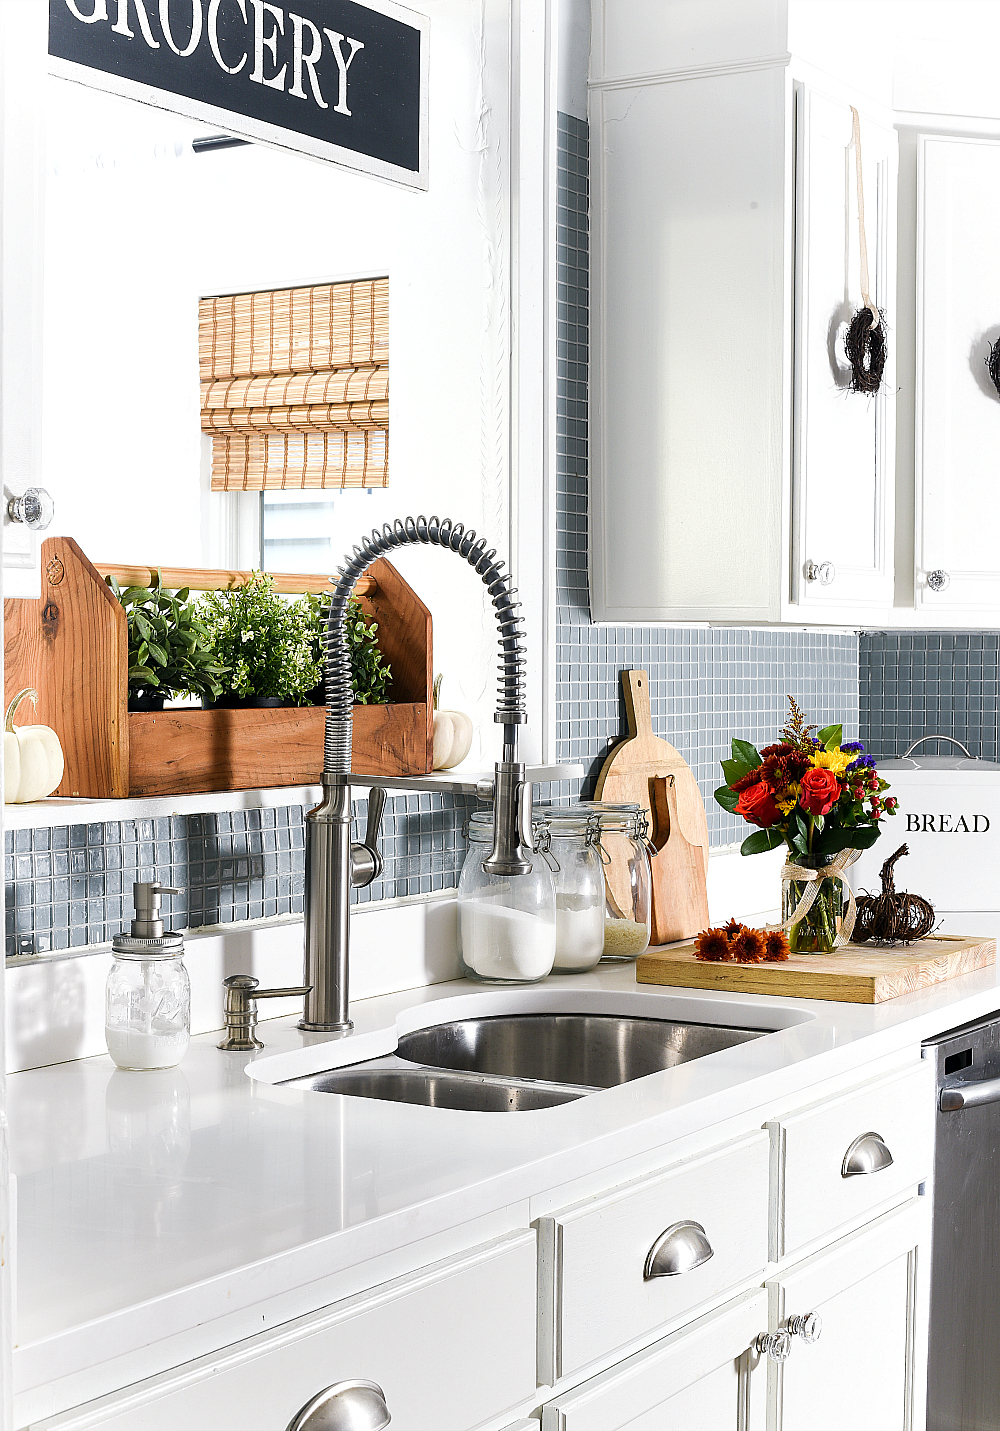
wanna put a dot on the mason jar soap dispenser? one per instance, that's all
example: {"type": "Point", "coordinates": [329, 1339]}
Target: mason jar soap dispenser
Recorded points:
{"type": "Point", "coordinates": [147, 1008]}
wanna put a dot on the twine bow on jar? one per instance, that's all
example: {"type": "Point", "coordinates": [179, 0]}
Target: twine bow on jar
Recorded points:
{"type": "Point", "coordinates": [812, 879]}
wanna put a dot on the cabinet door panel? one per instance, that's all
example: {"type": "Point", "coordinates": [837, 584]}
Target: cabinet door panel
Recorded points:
{"type": "Point", "coordinates": [699, 1379]}
{"type": "Point", "coordinates": [863, 1370]}
{"type": "Point", "coordinates": [843, 454]}
{"type": "Point", "coordinates": [958, 410]}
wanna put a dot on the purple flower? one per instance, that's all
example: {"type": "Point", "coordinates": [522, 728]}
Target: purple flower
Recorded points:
{"type": "Point", "coordinates": [863, 762]}
{"type": "Point", "coordinates": [853, 745]}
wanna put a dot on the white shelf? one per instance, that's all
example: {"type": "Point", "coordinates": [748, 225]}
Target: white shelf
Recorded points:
{"type": "Point", "coordinates": [81, 812]}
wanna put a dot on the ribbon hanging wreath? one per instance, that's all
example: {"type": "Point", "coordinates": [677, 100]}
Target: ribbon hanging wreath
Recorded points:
{"type": "Point", "coordinates": [865, 341]}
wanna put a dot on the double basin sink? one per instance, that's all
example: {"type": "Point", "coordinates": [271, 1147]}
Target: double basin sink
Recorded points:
{"type": "Point", "coordinates": [516, 1062]}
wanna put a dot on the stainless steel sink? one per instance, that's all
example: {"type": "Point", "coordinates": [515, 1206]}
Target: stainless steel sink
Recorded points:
{"type": "Point", "coordinates": [589, 1050]}
{"type": "Point", "coordinates": [515, 1062]}
{"type": "Point", "coordinates": [397, 1082]}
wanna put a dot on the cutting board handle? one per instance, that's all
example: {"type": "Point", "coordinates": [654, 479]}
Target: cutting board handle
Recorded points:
{"type": "Point", "coordinates": [635, 685]}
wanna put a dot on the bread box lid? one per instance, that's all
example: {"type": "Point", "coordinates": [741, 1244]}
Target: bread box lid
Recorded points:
{"type": "Point", "coordinates": [949, 816]}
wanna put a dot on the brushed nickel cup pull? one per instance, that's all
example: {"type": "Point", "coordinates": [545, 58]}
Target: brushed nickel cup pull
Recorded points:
{"type": "Point", "coordinates": [867, 1154]}
{"type": "Point", "coordinates": [681, 1248]}
{"type": "Point", "coordinates": [776, 1346]}
{"type": "Point", "coordinates": [808, 1326]}
{"type": "Point", "coordinates": [345, 1406]}
{"type": "Point", "coordinates": [823, 571]}
{"type": "Point", "coordinates": [938, 580]}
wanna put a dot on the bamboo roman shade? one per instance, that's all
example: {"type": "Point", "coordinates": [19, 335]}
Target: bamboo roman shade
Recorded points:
{"type": "Point", "coordinates": [295, 386]}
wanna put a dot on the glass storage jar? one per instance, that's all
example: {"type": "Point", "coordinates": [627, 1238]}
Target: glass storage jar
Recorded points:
{"type": "Point", "coordinates": [506, 923]}
{"type": "Point", "coordinates": [574, 856]}
{"type": "Point", "coordinates": [628, 878]}
{"type": "Point", "coordinates": [147, 1009]}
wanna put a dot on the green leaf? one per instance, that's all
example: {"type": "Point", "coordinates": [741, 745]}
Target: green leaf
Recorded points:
{"type": "Point", "coordinates": [735, 770]}
{"type": "Point", "coordinates": [143, 675]}
{"type": "Point", "coordinates": [158, 654]}
{"type": "Point", "coordinates": [760, 841]}
{"type": "Point", "coordinates": [831, 736]}
{"type": "Point", "coordinates": [727, 798]}
{"type": "Point", "coordinates": [746, 753]}
{"type": "Point", "coordinates": [831, 842]}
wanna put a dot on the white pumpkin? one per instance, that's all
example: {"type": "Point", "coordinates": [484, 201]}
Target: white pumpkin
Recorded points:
{"type": "Point", "coordinates": [32, 757]}
{"type": "Point", "coordinates": [452, 734]}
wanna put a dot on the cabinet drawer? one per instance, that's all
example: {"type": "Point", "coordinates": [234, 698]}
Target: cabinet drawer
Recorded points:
{"type": "Point", "coordinates": [594, 1295]}
{"type": "Point", "coordinates": [814, 1190]}
{"type": "Point", "coordinates": [451, 1347]}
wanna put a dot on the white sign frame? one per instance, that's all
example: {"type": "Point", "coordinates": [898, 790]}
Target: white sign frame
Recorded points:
{"type": "Point", "coordinates": [278, 137]}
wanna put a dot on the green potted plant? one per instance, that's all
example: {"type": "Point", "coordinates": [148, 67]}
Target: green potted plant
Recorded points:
{"type": "Point", "coordinates": [371, 673]}
{"type": "Point", "coordinates": [265, 644]}
{"type": "Point", "coordinates": [170, 652]}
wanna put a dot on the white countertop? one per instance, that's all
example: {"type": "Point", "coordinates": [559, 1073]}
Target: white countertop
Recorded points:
{"type": "Point", "coordinates": [150, 1203]}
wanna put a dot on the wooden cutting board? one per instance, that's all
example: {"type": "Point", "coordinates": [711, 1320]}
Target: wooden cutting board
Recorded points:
{"type": "Point", "coordinates": [856, 974]}
{"type": "Point", "coordinates": [656, 776]}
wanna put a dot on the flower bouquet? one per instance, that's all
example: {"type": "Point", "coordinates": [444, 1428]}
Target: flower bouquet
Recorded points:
{"type": "Point", "coordinates": [822, 798]}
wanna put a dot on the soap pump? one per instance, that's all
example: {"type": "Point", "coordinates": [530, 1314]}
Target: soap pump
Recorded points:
{"type": "Point", "coordinates": [147, 1018]}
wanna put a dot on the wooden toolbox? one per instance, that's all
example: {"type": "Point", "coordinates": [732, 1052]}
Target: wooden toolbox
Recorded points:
{"type": "Point", "coordinates": [72, 646]}
{"type": "Point", "coordinates": [856, 974]}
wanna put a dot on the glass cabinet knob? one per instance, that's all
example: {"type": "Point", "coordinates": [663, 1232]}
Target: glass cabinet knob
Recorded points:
{"type": "Point", "coordinates": [35, 508]}
{"type": "Point", "coordinates": [938, 580]}
{"type": "Point", "coordinates": [822, 571]}
{"type": "Point", "coordinates": [808, 1326]}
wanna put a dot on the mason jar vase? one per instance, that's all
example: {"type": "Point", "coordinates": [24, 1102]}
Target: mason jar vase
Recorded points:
{"type": "Point", "coordinates": [816, 932]}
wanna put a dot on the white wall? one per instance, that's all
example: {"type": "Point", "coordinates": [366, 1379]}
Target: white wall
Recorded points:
{"type": "Point", "coordinates": [135, 238]}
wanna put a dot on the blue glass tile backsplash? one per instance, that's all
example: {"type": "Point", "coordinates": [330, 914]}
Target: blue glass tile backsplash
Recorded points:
{"type": "Point", "coordinates": [914, 683]}
{"type": "Point", "coordinates": [71, 886]}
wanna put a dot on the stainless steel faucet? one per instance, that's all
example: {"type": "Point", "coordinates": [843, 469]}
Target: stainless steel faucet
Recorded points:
{"type": "Point", "coordinates": [335, 866]}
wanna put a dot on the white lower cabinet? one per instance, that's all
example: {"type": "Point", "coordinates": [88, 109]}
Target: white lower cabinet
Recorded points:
{"type": "Point", "coordinates": [671, 1272]}
{"type": "Point", "coordinates": [451, 1347]}
{"type": "Point", "coordinates": [699, 1379]}
{"type": "Point", "coordinates": [865, 1370]}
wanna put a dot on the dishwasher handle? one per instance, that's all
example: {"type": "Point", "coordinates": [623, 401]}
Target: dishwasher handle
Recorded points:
{"type": "Point", "coordinates": [957, 1096]}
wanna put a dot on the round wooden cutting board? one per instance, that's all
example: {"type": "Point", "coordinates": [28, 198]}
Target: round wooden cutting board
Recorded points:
{"type": "Point", "coordinates": [653, 773]}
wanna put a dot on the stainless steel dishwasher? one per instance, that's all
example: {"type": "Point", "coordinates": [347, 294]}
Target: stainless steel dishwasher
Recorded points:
{"type": "Point", "coordinates": [963, 1367]}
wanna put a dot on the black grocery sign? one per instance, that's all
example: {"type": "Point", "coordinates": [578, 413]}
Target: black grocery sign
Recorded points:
{"type": "Point", "coordinates": [332, 78]}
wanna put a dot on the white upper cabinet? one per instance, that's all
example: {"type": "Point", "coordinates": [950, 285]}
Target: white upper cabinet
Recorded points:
{"type": "Point", "coordinates": [728, 456]}
{"type": "Point", "coordinates": [957, 436]}
{"type": "Point", "coordinates": [843, 441]}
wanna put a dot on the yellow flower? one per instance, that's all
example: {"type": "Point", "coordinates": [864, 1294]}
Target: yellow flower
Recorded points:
{"type": "Point", "coordinates": [835, 760]}
{"type": "Point", "coordinates": [787, 799]}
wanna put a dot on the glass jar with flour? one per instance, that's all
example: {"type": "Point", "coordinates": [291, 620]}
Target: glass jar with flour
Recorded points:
{"type": "Point", "coordinates": [147, 1008]}
{"type": "Point", "coordinates": [575, 858]}
{"type": "Point", "coordinates": [506, 924]}
{"type": "Point", "coordinates": [628, 876]}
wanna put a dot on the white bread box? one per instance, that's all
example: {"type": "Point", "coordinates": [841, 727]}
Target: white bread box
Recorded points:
{"type": "Point", "coordinates": [949, 816]}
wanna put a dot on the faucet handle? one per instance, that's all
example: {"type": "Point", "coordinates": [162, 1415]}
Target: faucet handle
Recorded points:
{"type": "Point", "coordinates": [376, 805]}
{"type": "Point", "coordinates": [366, 862]}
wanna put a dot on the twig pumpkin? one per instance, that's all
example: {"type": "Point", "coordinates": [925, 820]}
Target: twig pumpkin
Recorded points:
{"type": "Point", "coordinates": [894, 916]}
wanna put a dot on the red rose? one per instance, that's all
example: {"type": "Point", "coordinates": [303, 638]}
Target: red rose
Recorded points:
{"type": "Point", "coordinates": [757, 805]}
{"type": "Point", "coordinates": [819, 791]}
